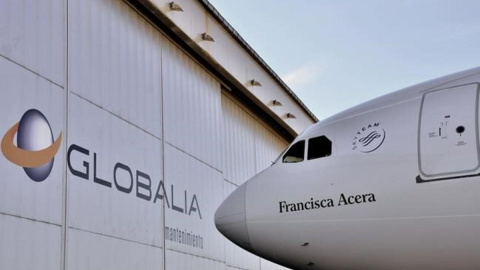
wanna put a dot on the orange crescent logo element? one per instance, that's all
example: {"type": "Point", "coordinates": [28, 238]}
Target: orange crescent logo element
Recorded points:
{"type": "Point", "coordinates": [24, 158]}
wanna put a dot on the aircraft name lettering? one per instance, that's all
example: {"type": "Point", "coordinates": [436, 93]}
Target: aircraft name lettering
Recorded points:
{"type": "Point", "coordinates": [312, 204]}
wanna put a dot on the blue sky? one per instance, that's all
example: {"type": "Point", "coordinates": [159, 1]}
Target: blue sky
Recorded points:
{"type": "Point", "coordinates": [338, 53]}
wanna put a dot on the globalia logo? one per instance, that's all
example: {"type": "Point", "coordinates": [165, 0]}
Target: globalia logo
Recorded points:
{"type": "Point", "coordinates": [35, 149]}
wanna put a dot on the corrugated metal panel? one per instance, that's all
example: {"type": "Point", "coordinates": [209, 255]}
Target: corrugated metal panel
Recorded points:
{"type": "Point", "coordinates": [267, 147]}
{"type": "Point", "coordinates": [22, 90]}
{"type": "Point", "coordinates": [194, 192]}
{"type": "Point", "coordinates": [32, 34]}
{"type": "Point", "coordinates": [114, 61]}
{"type": "Point", "coordinates": [114, 112]}
{"type": "Point", "coordinates": [268, 265]}
{"type": "Point", "coordinates": [136, 155]}
{"type": "Point", "coordinates": [176, 260]}
{"type": "Point", "coordinates": [88, 251]}
{"type": "Point", "coordinates": [235, 56]}
{"type": "Point", "coordinates": [234, 255]}
{"type": "Point", "coordinates": [192, 107]}
{"type": "Point", "coordinates": [248, 147]}
{"type": "Point", "coordinates": [238, 142]}
{"type": "Point", "coordinates": [27, 244]}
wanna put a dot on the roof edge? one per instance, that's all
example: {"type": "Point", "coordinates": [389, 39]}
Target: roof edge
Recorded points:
{"type": "Point", "coordinates": [226, 25]}
{"type": "Point", "coordinates": [153, 13]}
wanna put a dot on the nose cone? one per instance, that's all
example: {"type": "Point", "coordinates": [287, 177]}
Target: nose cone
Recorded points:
{"type": "Point", "coordinates": [230, 218]}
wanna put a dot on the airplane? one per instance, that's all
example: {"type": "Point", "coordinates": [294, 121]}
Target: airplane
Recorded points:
{"type": "Point", "coordinates": [393, 183]}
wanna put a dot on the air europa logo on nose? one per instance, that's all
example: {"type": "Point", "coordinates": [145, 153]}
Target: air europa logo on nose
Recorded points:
{"type": "Point", "coordinates": [35, 149]}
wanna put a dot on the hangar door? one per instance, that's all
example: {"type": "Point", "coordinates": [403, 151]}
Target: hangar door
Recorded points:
{"type": "Point", "coordinates": [448, 133]}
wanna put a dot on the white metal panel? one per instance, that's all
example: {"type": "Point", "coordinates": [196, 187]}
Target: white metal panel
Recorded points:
{"type": "Point", "coordinates": [19, 195]}
{"type": "Point", "coordinates": [228, 52]}
{"type": "Point", "coordinates": [192, 107]}
{"type": "Point", "coordinates": [234, 255]}
{"type": "Point", "coordinates": [269, 92]}
{"type": "Point", "coordinates": [444, 148]}
{"type": "Point", "coordinates": [114, 61]}
{"type": "Point", "coordinates": [27, 244]}
{"type": "Point", "coordinates": [89, 251]}
{"type": "Point", "coordinates": [176, 260]}
{"type": "Point", "coordinates": [109, 210]}
{"type": "Point", "coordinates": [268, 265]}
{"type": "Point", "coordinates": [240, 64]}
{"type": "Point", "coordinates": [195, 20]}
{"type": "Point", "coordinates": [237, 61]}
{"type": "Point", "coordinates": [239, 142]}
{"type": "Point", "coordinates": [32, 35]}
{"type": "Point", "coordinates": [267, 147]}
{"type": "Point", "coordinates": [194, 191]}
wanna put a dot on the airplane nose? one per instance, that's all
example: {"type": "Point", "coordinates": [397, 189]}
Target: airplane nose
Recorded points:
{"type": "Point", "coordinates": [231, 220]}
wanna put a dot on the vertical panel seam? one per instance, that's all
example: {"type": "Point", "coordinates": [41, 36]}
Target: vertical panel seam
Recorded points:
{"type": "Point", "coordinates": [163, 151]}
{"type": "Point", "coordinates": [63, 258]}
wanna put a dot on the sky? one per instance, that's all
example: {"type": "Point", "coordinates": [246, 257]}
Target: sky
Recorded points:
{"type": "Point", "coordinates": [339, 53]}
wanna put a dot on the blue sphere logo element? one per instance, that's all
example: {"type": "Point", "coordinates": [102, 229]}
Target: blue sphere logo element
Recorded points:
{"type": "Point", "coordinates": [36, 149]}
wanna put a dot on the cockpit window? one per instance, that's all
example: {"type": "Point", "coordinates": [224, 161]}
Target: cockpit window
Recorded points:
{"type": "Point", "coordinates": [296, 153]}
{"type": "Point", "coordinates": [319, 147]}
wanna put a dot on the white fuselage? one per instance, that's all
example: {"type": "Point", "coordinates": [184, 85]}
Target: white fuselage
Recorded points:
{"type": "Point", "coordinates": [397, 187]}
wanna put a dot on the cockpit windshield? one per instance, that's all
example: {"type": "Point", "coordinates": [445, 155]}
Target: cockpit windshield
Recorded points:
{"type": "Point", "coordinates": [318, 147]}
{"type": "Point", "coordinates": [296, 153]}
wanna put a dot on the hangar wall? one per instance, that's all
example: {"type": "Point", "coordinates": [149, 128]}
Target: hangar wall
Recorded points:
{"type": "Point", "coordinates": [150, 144]}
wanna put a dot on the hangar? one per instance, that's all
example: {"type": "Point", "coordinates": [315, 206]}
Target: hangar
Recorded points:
{"type": "Point", "coordinates": [124, 125]}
